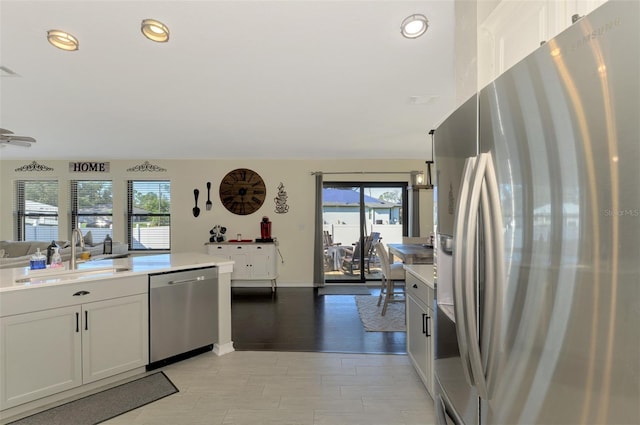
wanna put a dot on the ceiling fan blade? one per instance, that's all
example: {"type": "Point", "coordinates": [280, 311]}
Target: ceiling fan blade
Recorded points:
{"type": "Point", "coordinates": [15, 142]}
{"type": "Point", "coordinates": [5, 131]}
{"type": "Point", "coordinates": [13, 139]}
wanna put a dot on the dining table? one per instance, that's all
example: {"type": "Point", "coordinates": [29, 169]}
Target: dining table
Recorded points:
{"type": "Point", "coordinates": [412, 253]}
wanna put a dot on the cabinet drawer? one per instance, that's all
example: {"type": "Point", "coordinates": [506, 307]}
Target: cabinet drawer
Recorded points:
{"type": "Point", "coordinates": [419, 290]}
{"type": "Point", "coordinates": [36, 299]}
{"type": "Point", "coordinates": [221, 250]}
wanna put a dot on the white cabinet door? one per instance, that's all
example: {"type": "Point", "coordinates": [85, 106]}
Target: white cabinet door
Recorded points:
{"type": "Point", "coordinates": [114, 336]}
{"type": "Point", "coordinates": [420, 328]}
{"type": "Point", "coordinates": [241, 255]}
{"type": "Point", "coordinates": [262, 262]}
{"type": "Point", "coordinates": [417, 340]}
{"type": "Point", "coordinates": [41, 354]}
{"type": "Point", "coordinates": [515, 28]}
{"type": "Point", "coordinates": [512, 31]}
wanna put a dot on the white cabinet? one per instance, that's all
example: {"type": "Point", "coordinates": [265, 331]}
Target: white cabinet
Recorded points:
{"type": "Point", "coordinates": [420, 328]}
{"type": "Point", "coordinates": [84, 332]}
{"type": "Point", "coordinates": [40, 354]}
{"type": "Point", "coordinates": [253, 261]}
{"type": "Point", "coordinates": [515, 28]}
{"type": "Point", "coordinates": [114, 336]}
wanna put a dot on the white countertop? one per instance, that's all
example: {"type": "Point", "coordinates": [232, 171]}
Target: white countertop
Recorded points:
{"type": "Point", "coordinates": [103, 269]}
{"type": "Point", "coordinates": [424, 272]}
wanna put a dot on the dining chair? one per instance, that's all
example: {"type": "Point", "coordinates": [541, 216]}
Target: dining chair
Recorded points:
{"type": "Point", "coordinates": [391, 273]}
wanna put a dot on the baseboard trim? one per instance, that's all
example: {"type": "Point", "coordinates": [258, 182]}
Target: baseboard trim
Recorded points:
{"type": "Point", "coordinates": [222, 349]}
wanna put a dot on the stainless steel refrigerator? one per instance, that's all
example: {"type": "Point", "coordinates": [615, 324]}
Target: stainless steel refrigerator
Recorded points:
{"type": "Point", "coordinates": [538, 234]}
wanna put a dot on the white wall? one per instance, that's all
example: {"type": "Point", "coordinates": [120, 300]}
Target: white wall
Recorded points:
{"type": "Point", "coordinates": [294, 229]}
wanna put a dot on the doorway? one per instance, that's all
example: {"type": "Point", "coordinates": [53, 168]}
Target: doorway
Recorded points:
{"type": "Point", "coordinates": [355, 216]}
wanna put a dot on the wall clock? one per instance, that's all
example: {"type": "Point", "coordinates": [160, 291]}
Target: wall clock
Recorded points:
{"type": "Point", "coordinates": [242, 191]}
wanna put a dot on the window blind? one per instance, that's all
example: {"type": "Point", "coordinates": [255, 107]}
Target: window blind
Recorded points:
{"type": "Point", "coordinates": [148, 214]}
{"type": "Point", "coordinates": [36, 210]}
{"type": "Point", "coordinates": [92, 207]}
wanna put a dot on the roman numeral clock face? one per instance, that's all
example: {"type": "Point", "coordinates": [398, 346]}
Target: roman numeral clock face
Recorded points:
{"type": "Point", "coordinates": [242, 191]}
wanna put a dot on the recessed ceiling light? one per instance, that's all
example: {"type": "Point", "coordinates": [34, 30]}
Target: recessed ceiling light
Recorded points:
{"type": "Point", "coordinates": [62, 40]}
{"type": "Point", "coordinates": [414, 26]}
{"type": "Point", "coordinates": [155, 30]}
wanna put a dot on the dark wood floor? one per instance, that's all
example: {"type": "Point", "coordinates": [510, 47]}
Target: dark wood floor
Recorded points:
{"type": "Point", "coordinates": [298, 319]}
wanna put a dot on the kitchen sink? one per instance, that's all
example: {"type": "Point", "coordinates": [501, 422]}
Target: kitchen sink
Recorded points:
{"type": "Point", "coordinates": [51, 276]}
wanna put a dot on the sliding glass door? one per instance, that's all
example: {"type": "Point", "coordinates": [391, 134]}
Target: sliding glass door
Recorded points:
{"type": "Point", "coordinates": [356, 215]}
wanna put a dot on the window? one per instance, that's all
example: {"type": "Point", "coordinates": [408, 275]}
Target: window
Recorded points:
{"type": "Point", "coordinates": [148, 215]}
{"type": "Point", "coordinates": [36, 210]}
{"type": "Point", "coordinates": [92, 207]}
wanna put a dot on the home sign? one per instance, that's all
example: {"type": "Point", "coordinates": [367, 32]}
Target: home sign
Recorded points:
{"type": "Point", "coordinates": [88, 167]}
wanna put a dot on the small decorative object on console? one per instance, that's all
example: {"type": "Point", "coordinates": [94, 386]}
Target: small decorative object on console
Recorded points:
{"type": "Point", "coordinates": [217, 233]}
{"type": "Point", "coordinates": [265, 230]}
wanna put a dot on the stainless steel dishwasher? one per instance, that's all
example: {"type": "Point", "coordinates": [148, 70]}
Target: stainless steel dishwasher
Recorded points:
{"type": "Point", "coordinates": [183, 314]}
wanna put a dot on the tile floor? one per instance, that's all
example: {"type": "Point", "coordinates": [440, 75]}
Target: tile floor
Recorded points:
{"type": "Point", "coordinates": [287, 388]}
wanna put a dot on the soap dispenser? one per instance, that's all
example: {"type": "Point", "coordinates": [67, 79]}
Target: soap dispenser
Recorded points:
{"type": "Point", "coordinates": [56, 259]}
{"type": "Point", "coordinates": [38, 261]}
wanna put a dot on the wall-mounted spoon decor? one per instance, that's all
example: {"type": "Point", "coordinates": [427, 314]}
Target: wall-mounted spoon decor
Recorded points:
{"type": "Point", "coordinates": [196, 210]}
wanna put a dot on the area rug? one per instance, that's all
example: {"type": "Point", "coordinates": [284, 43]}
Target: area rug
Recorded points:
{"type": "Point", "coordinates": [344, 290]}
{"type": "Point", "coordinates": [107, 404]}
{"type": "Point", "coordinates": [374, 321]}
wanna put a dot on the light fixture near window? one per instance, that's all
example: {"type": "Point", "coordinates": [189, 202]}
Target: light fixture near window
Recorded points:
{"type": "Point", "coordinates": [417, 179]}
{"type": "Point", "coordinates": [62, 40]}
{"type": "Point", "coordinates": [414, 26]}
{"type": "Point", "coordinates": [155, 30]}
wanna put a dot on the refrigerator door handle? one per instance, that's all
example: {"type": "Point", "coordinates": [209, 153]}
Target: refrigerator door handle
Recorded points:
{"type": "Point", "coordinates": [497, 283]}
{"type": "Point", "coordinates": [487, 325]}
{"type": "Point", "coordinates": [458, 267]}
{"type": "Point", "coordinates": [484, 360]}
{"type": "Point", "coordinates": [471, 311]}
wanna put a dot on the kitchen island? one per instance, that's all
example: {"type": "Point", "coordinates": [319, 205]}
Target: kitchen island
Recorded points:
{"type": "Point", "coordinates": [66, 332]}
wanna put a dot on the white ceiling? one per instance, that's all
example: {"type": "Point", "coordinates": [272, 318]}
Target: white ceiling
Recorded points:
{"type": "Point", "coordinates": [238, 79]}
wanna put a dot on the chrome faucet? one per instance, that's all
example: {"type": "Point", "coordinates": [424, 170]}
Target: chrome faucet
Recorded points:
{"type": "Point", "coordinates": [73, 261]}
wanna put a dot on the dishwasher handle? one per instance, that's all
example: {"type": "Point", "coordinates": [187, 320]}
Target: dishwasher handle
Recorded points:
{"type": "Point", "coordinates": [197, 279]}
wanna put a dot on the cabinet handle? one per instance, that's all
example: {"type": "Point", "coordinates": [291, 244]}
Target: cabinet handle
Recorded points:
{"type": "Point", "coordinates": [427, 327]}
{"type": "Point", "coordinates": [77, 322]}
{"type": "Point", "coordinates": [415, 285]}
{"type": "Point", "coordinates": [86, 320]}
{"type": "Point", "coordinates": [258, 247]}
{"type": "Point", "coordinates": [423, 324]}
{"type": "Point", "coordinates": [81, 293]}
